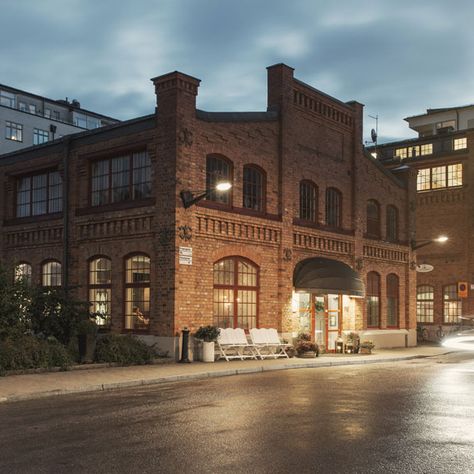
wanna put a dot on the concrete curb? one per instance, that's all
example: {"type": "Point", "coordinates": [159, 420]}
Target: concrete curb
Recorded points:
{"type": "Point", "coordinates": [204, 375]}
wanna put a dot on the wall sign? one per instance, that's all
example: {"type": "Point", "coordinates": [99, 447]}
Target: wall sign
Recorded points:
{"type": "Point", "coordinates": [185, 255]}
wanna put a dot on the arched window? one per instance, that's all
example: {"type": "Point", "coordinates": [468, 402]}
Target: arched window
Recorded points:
{"type": "Point", "coordinates": [51, 273]}
{"type": "Point", "coordinates": [452, 304]}
{"type": "Point", "coordinates": [333, 207]}
{"type": "Point", "coordinates": [100, 281]}
{"type": "Point", "coordinates": [137, 292]}
{"type": "Point", "coordinates": [392, 224]}
{"type": "Point", "coordinates": [235, 293]}
{"type": "Point", "coordinates": [425, 304]}
{"type": "Point", "coordinates": [218, 169]}
{"type": "Point", "coordinates": [254, 188]}
{"type": "Point", "coordinates": [373, 219]}
{"type": "Point", "coordinates": [392, 300]}
{"type": "Point", "coordinates": [308, 201]}
{"type": "Point", "coordinates": [373, 300]}
{"type": "Point", "coordinates": [23, 272]}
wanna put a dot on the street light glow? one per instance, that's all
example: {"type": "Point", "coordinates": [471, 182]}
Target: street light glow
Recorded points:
{"type": "Point", "coordinates": [223, 186]}
{"type": "Point", "coordinates": [441, 239]}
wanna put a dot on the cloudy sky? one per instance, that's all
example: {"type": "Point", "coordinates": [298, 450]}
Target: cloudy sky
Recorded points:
{"type": "Point", "coordinates": [397, 57]}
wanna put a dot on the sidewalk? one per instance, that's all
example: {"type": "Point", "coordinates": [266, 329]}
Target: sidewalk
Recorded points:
{"type": "Point", "coordinates": [24, 387]}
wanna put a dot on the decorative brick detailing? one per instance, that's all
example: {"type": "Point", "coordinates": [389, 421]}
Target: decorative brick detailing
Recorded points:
{"type": "Point", "coordinates": [115, 227]}
{"type": "Point", "coordinates": [326, 244]}
{"type": "Point", "coordinates": [33, 237]}
{"type": "Point", "coordinates": [388, 254]}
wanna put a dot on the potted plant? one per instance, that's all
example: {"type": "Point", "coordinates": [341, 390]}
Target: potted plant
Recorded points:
{"type": "Point", "coordinates": [366, 347]}
{"type": "Point", "coordinates": [305, 348]}
{"type": "Point", "coordinates": [86, 338]}
{"type": "Point", "coordinates": [207, 335]}
{"type": "Point", "coordinates": [352, 342]}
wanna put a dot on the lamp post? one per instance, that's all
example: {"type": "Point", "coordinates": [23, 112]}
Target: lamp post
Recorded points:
{"type": "Point", "coordinates": [415, 245]}
{"type": "Point", "coordinates": [190, 198]}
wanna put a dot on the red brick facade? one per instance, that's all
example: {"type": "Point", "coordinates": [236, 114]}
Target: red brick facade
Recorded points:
{"type": "Point", "coordinates": [304, 135]}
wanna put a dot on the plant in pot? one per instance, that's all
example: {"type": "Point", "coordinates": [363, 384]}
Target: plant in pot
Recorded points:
{"type": "Point", "coordinates": [305, 348]}
{"type": "Point", "coordinates": [366, 347]}
{"type": "Point", "coordinates": [86, 337]}
{"type": "Point", "coordinates": [208, 336]}
{"type": "Point", "coordinates": [353, 339]}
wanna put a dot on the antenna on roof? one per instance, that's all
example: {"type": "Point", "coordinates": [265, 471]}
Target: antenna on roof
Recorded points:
{"type": "Point", "coordinates": [374, 133]}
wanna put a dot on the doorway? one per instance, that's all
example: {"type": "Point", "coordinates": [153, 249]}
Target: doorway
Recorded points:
{"type": "Point", "coordinates": [326, 319]}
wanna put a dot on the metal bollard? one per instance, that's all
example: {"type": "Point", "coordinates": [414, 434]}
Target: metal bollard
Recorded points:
{"type": "Point", "coordinates": [184, 348]}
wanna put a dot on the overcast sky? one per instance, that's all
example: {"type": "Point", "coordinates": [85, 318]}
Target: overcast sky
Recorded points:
{"type": "Point", "coordinates": [397, 57]}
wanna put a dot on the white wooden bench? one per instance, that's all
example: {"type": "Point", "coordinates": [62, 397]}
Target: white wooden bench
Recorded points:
{"type": "Point", "coordinates": [267, 343]}
{"type": "Point", "coordinates": [233, 344]}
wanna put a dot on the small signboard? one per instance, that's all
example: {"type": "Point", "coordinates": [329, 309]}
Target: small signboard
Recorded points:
{"type": "Point", "coordinates": [185, 255]}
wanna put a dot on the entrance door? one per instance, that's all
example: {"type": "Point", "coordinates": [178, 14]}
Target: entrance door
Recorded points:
{"type": "Point", "coordinates": [327, 322]}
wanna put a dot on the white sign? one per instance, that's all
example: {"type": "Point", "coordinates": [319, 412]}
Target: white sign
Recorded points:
{"type": "Point", "coordinates": [185, 256]}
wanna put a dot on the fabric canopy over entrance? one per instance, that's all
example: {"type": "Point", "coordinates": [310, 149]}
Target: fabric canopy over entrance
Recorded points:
{"type": "Point", "coordinates": [327, 276]}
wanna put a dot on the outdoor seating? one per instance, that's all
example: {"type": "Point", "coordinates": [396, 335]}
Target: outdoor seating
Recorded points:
{"type": "Point", "coordinates": [233, 344]}
{"type": "Point", "coordinates": [267, 343]}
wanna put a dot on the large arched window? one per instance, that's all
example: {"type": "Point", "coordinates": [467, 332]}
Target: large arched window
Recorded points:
{"type": "Point", "coordinates": [137, 292]}
{"type": "Point", "coordinates": [51, 273]}
{"type": "Point", "coordinates": [254, 188]}
{"type": "Point", "coordinates": [100, 281]}
{"type": "Point", "coordinates": [425, 304]}
{"type": "Point", "coordinates": [392, 300]}
{"type": "Point", "coordinates": [218, 169]}
{"type": "Point", "coordinates": [23, 272]}
{"type": "Point", "coordinates": [333, 207]}
{"type": "Point", "coordinates": [392, 224]}
{"type": "Point", "coordinates": [308, 201]}
{"type": "Point", "coordinates": [373, 219]}
{"type": "Point", "coordinates": [452, 304]}
{"type": "Point", "coordinates": [373, 300]}
{"type": "Point", "coordinates": [235, 293]}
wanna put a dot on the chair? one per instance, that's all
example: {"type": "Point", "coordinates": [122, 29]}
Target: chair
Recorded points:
{"type": "Point", "coordinates": [267, 343]}
{"type": "Point", "coordinates": [233, 344]}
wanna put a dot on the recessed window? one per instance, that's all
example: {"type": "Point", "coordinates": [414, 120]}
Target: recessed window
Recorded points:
{"type": "Point", "coordinates": [253, 188]}
{"type": "Point", "coordinates": [22, 106]}
{"type": "Point", "coordinates": [392, 300]}
{"type": "Point", "coordinates": [373, 299]}
{"type": "Point", "coordinates": [460, 143]}
{"type": "Point", "coordinates": [439, 177]}
{"type": "Point", "coordinates": [14, 131]}
{"type": "Point", "coordinates": [392, 224]}
{"type": "Point", "coordinates": [425, 304]}
{"type": "Point", "coordinates": [40, 136]}
{"type": "Point", "coordinates": [373, 219]}
{"type": "Point", "coordinates": [452, 304]}
{"type": "Point", "coordinates": [39, 194]}
{"type": "Point", "coordinates": [47, 113]}
{"type": "Point", "coordinates": [7, 99]}
{"type": "Point", "coordinates": [333, 207]}
{"type": "Point", "coordinates": [51, 274]}
{"type": "Point", "coordinates": [32, 108]}
{"type": "Point", "coordinates": [123, 178]}
{"type": "Point", "coordinates": [218, 169]}
{"type": "Point", "coordinates": [100, 284]}
{"type": "Point", "coordinates": [137, 292]}
{"type": "Point", "coordinates": [308, 201]}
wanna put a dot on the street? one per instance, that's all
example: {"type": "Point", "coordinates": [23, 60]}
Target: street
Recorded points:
{"type": "Point", "coordinates": [409, 417]}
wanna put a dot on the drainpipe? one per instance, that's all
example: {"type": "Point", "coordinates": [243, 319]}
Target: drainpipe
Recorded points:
{"type": "Point", "coordinates": [67, 147]}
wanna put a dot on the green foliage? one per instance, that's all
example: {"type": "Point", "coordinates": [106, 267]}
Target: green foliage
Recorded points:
{"type": "Point", "coordinates": [30, 352]}
{"type": "Point", "coordinates": [207, 333]}
{"type": "Point", "coordinates": [304, 344]}
{"type": "Point", "coordinates": [123, 350]}
{"type": "Point", "coordinates": [304, 336]}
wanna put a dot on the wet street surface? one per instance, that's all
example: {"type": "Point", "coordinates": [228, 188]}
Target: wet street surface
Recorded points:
{"type": "Point", "coordinates": [408, 417]}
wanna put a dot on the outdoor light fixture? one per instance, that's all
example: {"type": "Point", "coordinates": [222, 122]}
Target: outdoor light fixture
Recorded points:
{"type": "Point", "coordinates": [422, 243]}
{"type": "Point", "coordinates": [190, 198]}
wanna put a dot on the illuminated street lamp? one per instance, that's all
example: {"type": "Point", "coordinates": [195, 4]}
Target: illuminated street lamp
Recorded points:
{"type": "Point", "coordinates": [422, 243]}
{"type": "Point", "coordinates": [190, 198]}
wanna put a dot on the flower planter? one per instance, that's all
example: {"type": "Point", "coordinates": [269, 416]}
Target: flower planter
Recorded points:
{"type": "Point", "coordinates": [307, 355]}
{"type": "Point", "coordinates": [365, 350]}
{"type": "Point", "coordinates": [208, 352]}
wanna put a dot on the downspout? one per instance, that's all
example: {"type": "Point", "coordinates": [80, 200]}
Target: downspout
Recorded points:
{"type": "Point", "coordinates": [67, 148]}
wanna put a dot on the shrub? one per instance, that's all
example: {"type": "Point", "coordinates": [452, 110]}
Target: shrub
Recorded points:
{"type": "Point", "coordinates": [306, 346]}
{"type": "Point", "coordinates": [207, 333]}
{"type": "Point", "coordinates": [123, 350]}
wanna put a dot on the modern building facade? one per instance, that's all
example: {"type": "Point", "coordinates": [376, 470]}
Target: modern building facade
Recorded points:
{"type": "Point", "coordinates": [313, 235]}
{"type": "Point", "coordinates": [441, 157]}
{"type": "Point", "coordinates": [28, 119]}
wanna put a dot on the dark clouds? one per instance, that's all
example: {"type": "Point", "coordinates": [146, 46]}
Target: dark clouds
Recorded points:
{"type": "Point", "coordinates": [397, 57]}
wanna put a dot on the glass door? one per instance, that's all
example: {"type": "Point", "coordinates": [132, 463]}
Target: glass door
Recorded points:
{"type": "Point", "coordinates": [334, 312]}
{"type": "Point", "coordinates": [320, 321]}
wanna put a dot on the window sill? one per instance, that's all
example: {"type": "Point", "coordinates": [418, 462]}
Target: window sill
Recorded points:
{"type": "Point", "coordinates": [118, 206]}
{"type": "Point", "coordinates": [33, 219]}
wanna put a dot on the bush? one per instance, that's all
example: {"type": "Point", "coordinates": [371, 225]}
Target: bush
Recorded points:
{"type": "Point", "coordinates": [207, 333]}
{"type": "Point", "coordinates": [123, 350]}
{"type": "Point", "coordinates": [30, 352]}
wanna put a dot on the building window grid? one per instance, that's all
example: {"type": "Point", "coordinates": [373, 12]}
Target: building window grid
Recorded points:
{"type": "Point", "coordinates": [373, 218]}
{"type": "Point", "coordinates": [40, 136]}
{"type": "Point", "coordinates": [7, 99]}
{"type": "Point", "coordinates": [13, 131]}
{"type": "Point", "coordinates": [218, 169]}
{"type": "Point", "coordinates": [51, 273]}
{"type": "Point", "coordinates": [333, 207]}
{"type": "Point", "coordinates": [401, 153]}
{"type": "Point", "coordinates": [460, 143]}
{"type": "Point", "coordinates": [425, 304]}
{"type": "Point", "coordinates": [253, 189]}
{"type": "Point", "coordinates": [452, 304]}
{"type": "Point", "coordinates": [426, 149]}
{"type": "Point", "coordinates": [373, 300]}
{"type": "Point", "coordinates": [100, 292]}
{"type": "Point", "coordinates": [137, 292]}
{"type": "Point", "coordinates": [308, 201]}
{"type": "Point", "coordinates": [393, 306]}
{"type": "Point", "coordinates": [440, 177]}
{"type": "Point", "coordinates": [23, 272]}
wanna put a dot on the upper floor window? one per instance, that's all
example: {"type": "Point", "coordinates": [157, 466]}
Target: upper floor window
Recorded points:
{"type": "Point", "coordinates": [23, 272]}
{"type": "Point", "coordinates": [253, 188]}
{"type": "Point", "coordinates": [373, 299]}
{"type": "Point", "coordinates": [392, 224]}
{"type": "Point", "coordinates": [439, 177]}
{"type": "Point", "coordinates": [119, 179]}
{"type": "Point", "coordinates": [373, 218]}
{"type": "Point", "coordinates": [401, 153]}
{"type": "Point", "coordinates": [218, 169]}
{"type": "Point", "coordinates": [333, 207]}
{"type": "Point", "coordinates": [40, 136]}
{"type": "Point", "coordinates": [47, 113]}
{"type": "Point", "coordinates": [308, 201]}
{"type": "Point", "coordinates": [459, 143]}
{"type": "Point", "coordinates": [51, 273]}
{"type": "Point", "coordinates": [7, 98]}
{"type": "Point", "coordinates": [427, 149]}
{"type": "Point", "coordinates": [452, 304]}
{"type": "Point", "coordinates": [39, 194]}
{"type": "Point", "coordinates": [425, 304]}
{"type": "Point", "coordinates": [14, 131]}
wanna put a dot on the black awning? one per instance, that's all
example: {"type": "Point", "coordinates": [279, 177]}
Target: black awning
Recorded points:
{"type": "Point", "coordinates": [327, 276]}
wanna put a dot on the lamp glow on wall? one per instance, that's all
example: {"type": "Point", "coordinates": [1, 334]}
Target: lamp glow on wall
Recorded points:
{"type": "Point", "coordinates": [422, 243]}
{"type": "Point", "coordinates": [190, 198]}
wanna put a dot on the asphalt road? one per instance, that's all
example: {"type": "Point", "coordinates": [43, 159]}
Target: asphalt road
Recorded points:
{"type": "Point", "coordinates": [410, 417]}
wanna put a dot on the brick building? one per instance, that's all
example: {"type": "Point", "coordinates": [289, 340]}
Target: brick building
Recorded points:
{"type": "Point", "coordinates": [440, 156]}
{"type": "Point", "coordinates": [313, 234]}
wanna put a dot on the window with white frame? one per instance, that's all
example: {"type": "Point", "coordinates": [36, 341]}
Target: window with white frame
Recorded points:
{"type": "Point", "coordinates": [425, 304]}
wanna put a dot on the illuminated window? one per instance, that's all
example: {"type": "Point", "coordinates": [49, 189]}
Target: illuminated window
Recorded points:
{"type": "Point", "coordinates": [235, 293]}
{"type": "Point", "coordinates": [333, 207]}
{"type": "Point", "coordinates": [13, 131]}
{"type": "Point", "coordinates": [455, 175]}
{"type": "Point", "coordinates": [100, 280]}
{"type": "Point", "coordinates": [401, 153]}
{"type": "Point", "coordinates": [392, 300]}
{"type": "Point", "coordinates": [438, 177]}
{"type": "Point", "coordinates": [373, 219]}
{"type": "Point", "coordinates": [137, 292]}
{"type": "Point", "coordinates": [253, 188]}
{"type": "Point", "coordinates": [426, 149]}
{"type": "Point", "coordinates": [423, 179]}
{"type": "Point", "coordinates": [39, 194]}
{"type": "Point", "coordinates": [392, 224]}
{"type": "Point", "coordinates": [218, 169]}
{"type": "Point", "coordinates": [308, 201]}
{"type": "Point", "coordinates": [425, 304]}
{"type": "Point", "coordinates": [23, 272]}
{"type": "Point", "coordinates": [373, 299]}
{"type": "Point", "coordinates": [452, 304]}
{"type": "Point", "coordinates": [51, 273]}
{"type": "Point", "coordinates": [40, 136]}
{"type": "Point", "coordinates": [460, 143]}
{"type": "Point", "coordinates": [413, 151]}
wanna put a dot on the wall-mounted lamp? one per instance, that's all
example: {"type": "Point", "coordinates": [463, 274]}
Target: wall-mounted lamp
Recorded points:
{"type": "Point", "coordinates": [190, 198]}
{"type": "Point", "coordinates": [422, 243]}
